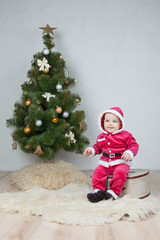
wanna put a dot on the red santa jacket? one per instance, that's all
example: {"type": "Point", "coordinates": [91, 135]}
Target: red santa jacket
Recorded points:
{"type": "Point", "coordinates": [118, 142]}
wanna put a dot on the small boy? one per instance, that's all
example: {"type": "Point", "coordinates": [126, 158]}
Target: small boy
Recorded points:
{"type": "Point", "coordinates": [118, 147]}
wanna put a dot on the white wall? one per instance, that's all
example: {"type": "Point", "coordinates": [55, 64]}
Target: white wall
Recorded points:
{"type": "Point", "coordinates": [111, 47]}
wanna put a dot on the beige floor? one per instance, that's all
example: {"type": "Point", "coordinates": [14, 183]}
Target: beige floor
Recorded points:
{"type": "Point", "coordinates": [18, 227]}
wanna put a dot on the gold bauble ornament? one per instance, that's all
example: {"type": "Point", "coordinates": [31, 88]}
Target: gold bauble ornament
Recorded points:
{"type": "Point", "coordinates": [54, 119]}
{"type": "Point", "coordinates": [46, 70]}
{"type": "Point", "coordinates": [27, 129]}
{"type": "Point", "coordinates": [28, 102]}
{"type": "Point", "coordinates": [58, 110]}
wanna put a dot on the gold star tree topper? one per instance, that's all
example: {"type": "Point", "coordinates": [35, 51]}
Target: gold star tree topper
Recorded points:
{"type": "Point", "coordinates": [47, 29]}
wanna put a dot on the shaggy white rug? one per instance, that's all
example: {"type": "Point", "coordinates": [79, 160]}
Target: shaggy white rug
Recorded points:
{"type": "Point", "coordinates": [69, 205]}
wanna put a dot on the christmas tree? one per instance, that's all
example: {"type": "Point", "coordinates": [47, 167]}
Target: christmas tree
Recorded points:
{"type": "Point", "coordinates": [43, 120]}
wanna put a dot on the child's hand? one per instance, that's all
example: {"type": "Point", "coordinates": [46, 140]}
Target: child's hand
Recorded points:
{"type": "Point", "coordinates": [126, 157]}
{"type": "Point", "coordinates": [87, 152]}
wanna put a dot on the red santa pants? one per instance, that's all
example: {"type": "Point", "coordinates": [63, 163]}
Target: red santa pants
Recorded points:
{"type": "Point", "coordinates": [119, 173]}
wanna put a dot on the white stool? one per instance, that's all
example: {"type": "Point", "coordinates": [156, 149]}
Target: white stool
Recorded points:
{"type": "Point", "coordinates": [137, 184]}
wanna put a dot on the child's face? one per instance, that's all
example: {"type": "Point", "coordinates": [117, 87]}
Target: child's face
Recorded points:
{"type": "Point", "coordinates": [111, 123]}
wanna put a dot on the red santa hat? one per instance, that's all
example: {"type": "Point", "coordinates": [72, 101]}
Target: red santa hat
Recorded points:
{"type": "Point", "coordinates": [116, 111]}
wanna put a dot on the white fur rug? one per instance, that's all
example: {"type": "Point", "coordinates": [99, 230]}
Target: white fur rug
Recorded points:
{"type": "Point", "coordinates": [69, 205]}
